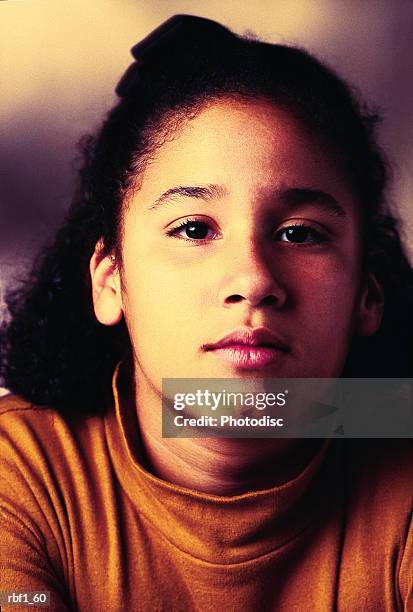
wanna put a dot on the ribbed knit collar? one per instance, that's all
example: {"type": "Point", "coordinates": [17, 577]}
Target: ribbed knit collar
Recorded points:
{"type": "Point", "coordinates": [215, 529]}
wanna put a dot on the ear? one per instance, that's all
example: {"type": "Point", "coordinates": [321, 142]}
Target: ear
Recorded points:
{"type": "Point", "coordinates": [106, 293]}
{"type": "Point", "coordinates": [370, 312]}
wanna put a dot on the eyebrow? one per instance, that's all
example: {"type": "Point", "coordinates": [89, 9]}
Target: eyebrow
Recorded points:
{"type": "Point", "coordinates": [200, 192]}
{"type": "Point", "coordinates": [297, 196]}
{"type": "Point", "coordinates": [290, 197]}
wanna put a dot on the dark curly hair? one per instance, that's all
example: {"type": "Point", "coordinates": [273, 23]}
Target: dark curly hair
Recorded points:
{"type": "Point", "coordinates": [54, 352]}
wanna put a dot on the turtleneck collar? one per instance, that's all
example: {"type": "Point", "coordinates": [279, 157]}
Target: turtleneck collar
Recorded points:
{"type": "Point", "coordinates": [215, 529]}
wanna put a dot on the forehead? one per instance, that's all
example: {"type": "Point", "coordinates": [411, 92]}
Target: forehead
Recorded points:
{"type": "Point", "coordinates": [249, 145]}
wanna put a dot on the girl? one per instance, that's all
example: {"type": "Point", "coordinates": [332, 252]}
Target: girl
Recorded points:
{"type": "Point", "coordinates": [229, 223]}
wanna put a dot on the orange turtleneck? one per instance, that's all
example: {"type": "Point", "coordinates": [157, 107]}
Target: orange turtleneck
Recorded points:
{"type": "Point", "coordinates": [82, 518]}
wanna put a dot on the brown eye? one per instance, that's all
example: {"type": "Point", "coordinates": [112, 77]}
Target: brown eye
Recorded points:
{"type": "Point", "coordinates": [196, 230]}
{"type": "Point", "coordinates": [300, 234]}
{"type": "Point", "coordinates": [193, 230]}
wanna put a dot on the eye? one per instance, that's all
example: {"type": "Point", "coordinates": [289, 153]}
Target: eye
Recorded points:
{"type": "Point", "coordinates": [193, 230]}
{"type": "Point", "coordinates": [300, 233]}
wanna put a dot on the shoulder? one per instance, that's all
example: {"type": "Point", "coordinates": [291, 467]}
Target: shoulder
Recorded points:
{"type": "Point", "coordinates": [11, 404]}
{"type": "Point", "coordinates": [26, 428]}
{"type": "Point", "coordinates": [38, 444]}
{"type": "Point", "coordinates": [22, 420]}
{"type": "Point", "coordinates": [49, 465]}
{"type": "Point", "coordinates": [16, 412]}
{"type": "Point", "coordinates": [378, 484]}
{"type": "Point", "coordinates": [378, 481]}
{"type": "Point", "coordinates": [380, 466]}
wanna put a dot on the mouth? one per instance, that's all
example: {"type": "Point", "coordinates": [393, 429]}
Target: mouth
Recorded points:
{"type": "Point", "coordinates": [249, 349]}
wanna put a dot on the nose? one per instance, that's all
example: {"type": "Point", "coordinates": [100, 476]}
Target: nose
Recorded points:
{"type": "Point", "coordinates": [251, 278]}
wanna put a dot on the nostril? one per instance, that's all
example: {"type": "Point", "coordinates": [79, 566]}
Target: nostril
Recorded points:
{"type": "Point", "coordinates": [269, 300]}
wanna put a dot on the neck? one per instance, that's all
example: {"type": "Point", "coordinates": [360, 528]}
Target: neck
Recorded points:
{"type": "Point", "coordinates": [217, 466]}
{"type": "Point", "coordinates": [223, 466]}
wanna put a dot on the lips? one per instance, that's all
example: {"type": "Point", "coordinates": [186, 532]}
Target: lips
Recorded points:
{"type": "Point", "coordinates": [248, 348]}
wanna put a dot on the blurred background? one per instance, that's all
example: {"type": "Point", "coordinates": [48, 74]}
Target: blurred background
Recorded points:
{"type": "Point", "coordinates": [60, 61]}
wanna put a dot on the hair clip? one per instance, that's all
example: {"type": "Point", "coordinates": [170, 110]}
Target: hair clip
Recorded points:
{"type": "Point", "coordinates": [179, 32]}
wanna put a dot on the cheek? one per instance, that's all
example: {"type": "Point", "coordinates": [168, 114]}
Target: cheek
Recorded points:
{"type": "Point", "coordinates": [160, 298]}
{"type": "Point", "coordinates": [326, 295]}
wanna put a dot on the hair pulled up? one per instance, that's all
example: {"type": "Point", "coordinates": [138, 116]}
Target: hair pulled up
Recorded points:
{"type": "Point", "coordinates": [54, 352]}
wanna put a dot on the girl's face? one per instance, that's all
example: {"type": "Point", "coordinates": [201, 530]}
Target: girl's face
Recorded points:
{"type": "Point", "coordinates": [243, 222]}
